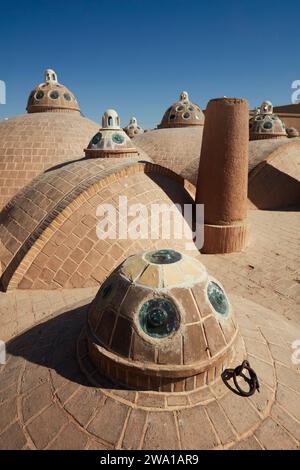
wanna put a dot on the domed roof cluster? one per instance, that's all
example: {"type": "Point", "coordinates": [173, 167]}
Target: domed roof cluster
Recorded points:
{"type": "Point", "coordinates": [265, 124]}
{"type": "Point", "coordinates": [132, 129]}
{"type": "Point", "coordinates": [111, 138]}
{"type": "Point", "coordinates": [183, 113]}
{"type": "Point", "coordinates": [172, 321]}
{"type": "Point", "coordinates": [51, 96]}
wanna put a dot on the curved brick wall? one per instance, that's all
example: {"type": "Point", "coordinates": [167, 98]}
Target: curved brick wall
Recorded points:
{"type": "Point", "coordinates": [48, 230]}
{"type": "Point", "coordinates": [275, 180]}
{"type": "Point", "coordinates": [177, 149]}
{"type": "Point", "coordinates": [31, 143]}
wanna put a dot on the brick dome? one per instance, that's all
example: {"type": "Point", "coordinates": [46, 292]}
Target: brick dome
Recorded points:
{"type": "Point", "coordinates": [160, 319]}
{"type": "Point", "coordinates": [266, 125]}
{"type": "Point", "coordinates": [49, 229]}
{"type": "Point", "coordinates": [33, 143]}
{"type": "Point", "coordinates": [51, 96]}
{"type": "Point", "coordinates": [177, 149]}
{"type": "Point", "coordinates": [183, 113]}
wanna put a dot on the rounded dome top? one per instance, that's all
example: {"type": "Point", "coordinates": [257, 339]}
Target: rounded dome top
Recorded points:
{"type": "Point", "coordinates": [51, 96]}
{"type": "Point", "coordinates": [160, 314]}
{"type": "Point", "coordinates": [292, 132]}
{"type": "Point", "coordinates": [266, 125]}
{"type": "Point", "coordinates": [183, 113]}
{"type": "Point", "coordinates": [111, 139]}
{"type": "Point", "coordinates": [133, 128]}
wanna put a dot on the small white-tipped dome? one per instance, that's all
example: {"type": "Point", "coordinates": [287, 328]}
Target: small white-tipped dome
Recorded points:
{"type": "Point", "coordinates": [132, 129]}
{"type": "Point", "coordinates": [110, 119]}
{"type": "Point", "coordinates": [50, 76]}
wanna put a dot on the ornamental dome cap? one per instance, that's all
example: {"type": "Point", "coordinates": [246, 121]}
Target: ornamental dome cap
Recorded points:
{"type": "Point", "coordinates": [132, 129]}
{"type": "Point", "coordinates": [111, 140]}
{"type": "Point", "coordinates": [265, 124]}
{"type": "Point", "coordinates": [160, 317]}
{"type": "Point", "coordinates": [183, 113]}
{"type": "Point", "coordinates": [51, 96]}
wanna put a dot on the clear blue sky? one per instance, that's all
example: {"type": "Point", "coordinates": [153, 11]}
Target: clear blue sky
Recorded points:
{"type": "Point", "coordinates": [138, 55]}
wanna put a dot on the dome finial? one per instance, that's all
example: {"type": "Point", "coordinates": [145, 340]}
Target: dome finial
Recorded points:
{"type": "Point", "coordinates": [50, 76]}
{"type": "Point", "coordinates": [110, 119]}
{"type": "Point", "coordinates": [184, 95]}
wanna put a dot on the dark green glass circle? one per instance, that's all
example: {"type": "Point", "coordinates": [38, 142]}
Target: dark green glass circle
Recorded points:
{"type": "Point", "coordinates": [96, 139]}
{"type": "Point", "coordinates": [158, 318]}
{"type": "Point", "coordinates": [67, 96]}
{"type": "Point", "coordinates": [54, 95]}
{"type": "Point", "coordinates": [40, 95]}
{"type": "Point", "coordinates": [180, 108]}
{"type": "Point", "coordinates": [186, 115]}
{"type": "Point", "coordinates": [163, 256]}
{"type": "Point", "coordinates": [217, 298]}
{"type": "Point", "coordinates": [117, 138]}
{"type": "Point", "coordinates": [172, 117]}
{"type": "Point", "coordinates": [268, 125]}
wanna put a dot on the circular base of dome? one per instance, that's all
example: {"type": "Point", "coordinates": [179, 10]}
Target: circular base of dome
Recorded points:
{"type": "Point", "coordinates": [267, 136]}
{"type": "Point", "coordinates": [57, 408]}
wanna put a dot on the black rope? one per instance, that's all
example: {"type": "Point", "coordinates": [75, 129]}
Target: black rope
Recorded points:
{"type": "Point", "coordinates": [252, 381]}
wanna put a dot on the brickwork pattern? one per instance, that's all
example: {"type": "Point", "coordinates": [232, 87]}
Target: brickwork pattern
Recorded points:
{"type": "Point", "coordinates": [32, 143]}
{"type": "Point", "coordinates": [46, 403]}
{"type": "Point", "coordinates": [48, 231]}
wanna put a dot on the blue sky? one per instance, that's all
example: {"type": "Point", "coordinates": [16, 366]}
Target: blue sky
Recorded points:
{"type": "Point", "coordinates": [138, 55]}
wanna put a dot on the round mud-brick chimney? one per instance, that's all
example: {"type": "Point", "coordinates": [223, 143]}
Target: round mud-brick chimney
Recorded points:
{"type": "Point", "coordinates": [160, 322]}
{"type": "Point", "coordinates": [223, 175]}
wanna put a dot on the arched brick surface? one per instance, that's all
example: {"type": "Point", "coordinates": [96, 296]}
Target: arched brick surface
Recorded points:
{"type": "Point", "coordinates": [274, 181]}
{"type": "Point", "coordinates": [48, 230]}
{"type": "Point", "coordinates": [177, 149]}
{"type": "Point", "coordinates": [31, 143]}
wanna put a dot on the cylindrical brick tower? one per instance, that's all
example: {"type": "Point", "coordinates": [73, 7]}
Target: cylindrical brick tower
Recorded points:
{"type": "Point", "coordinates": [223, 175]}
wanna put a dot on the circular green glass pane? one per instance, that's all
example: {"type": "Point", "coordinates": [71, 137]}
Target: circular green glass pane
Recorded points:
{"type": "Point", "coordinates": [163, 256]}
{"type": "Point", "coordinates": [186, 115]}
{"type": "Point", "coordinates": [158, 318]}
{"type": "Point", "coordinates": [217, 298]}
{"type": "Point", "coordinates": [40, 95]}
{"type": "Point", "coordinates": [96, 139]}
{"type": "Point", "coordinates": [180, 108]}
{"type": "Point", "coordinates": [268, 125]}
{"type": "Point", "coordinates": [54, 95]}
{"type": "Point", "coordinates": [118, 138]}
{"type": "Point", "coordinates": [67, 97]}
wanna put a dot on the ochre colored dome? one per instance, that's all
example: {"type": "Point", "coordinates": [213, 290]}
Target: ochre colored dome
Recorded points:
{"type": "Point", "coordinates": [51, 96]}
{"type": "Point", "coordinates": [33, 143]}
{"type": "Point", "coordinates": [177, 149]}
{"type": "Point", "coordinates": [265, 124]}
{"type": "Point", "coordinates": [183, 113]}
{"type": "Point", "coordinates": [161, 319]}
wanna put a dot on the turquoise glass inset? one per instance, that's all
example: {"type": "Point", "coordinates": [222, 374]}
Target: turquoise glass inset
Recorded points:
{"type": "Point", "coordinates": [163, 256]}
{"type": "Point", "coordinates": [158, 318]}
{"type": "Point", "coordinates": [217, 298]}
{"type": "Point", "coordinates": [67, 96]}
{"type": "Point", "coordinates": [96, 139]}
{"type": "Point", "coordinates": [40, 95]}
{"type": "Point", "coordinates": [268, 125]}
{"type": "Point", "coordinates": [54, 95]}
{"type": "Point", "coordinates": [117, 138]}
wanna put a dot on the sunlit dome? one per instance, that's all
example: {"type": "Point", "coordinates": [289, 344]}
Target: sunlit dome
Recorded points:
{"type": "Point", "coordinates": [265, 124]}
{"type": "Point", "coordinates": [51, 96]}
{"type": "Point", "coordinates": [183, 113]}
